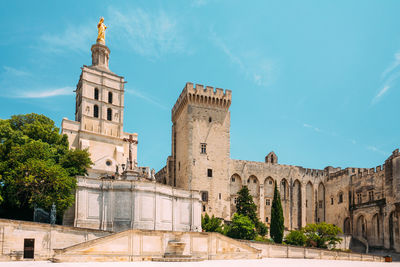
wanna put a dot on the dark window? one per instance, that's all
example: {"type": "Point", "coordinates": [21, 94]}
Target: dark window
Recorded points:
{"type": "Point", "coordinates": [204, 196]}
{"type": "Point", "coordinates": [204, 208]}
{"type": "Point", "coordinates": [219, 195]}
{"type": "Point", "coordinates": [266, 219]}
{"type": "Point", "coordinates": [306, 203]}
{"type": "Point", "coordinates": [233, 179]}
{"type": "Point", "coordinates": [371, 195]}
{"type": "Point", "coordinates": [331, 200]}
{"type": "Point", "coordinates": [209, 172]}
{"type": "Point", "coordinates": [270, 182]}
{"type": "Point", "coordinates": [179, 166]}
{"type": "Point", "coordinates": [29, 248]}
{"type": "Point", "coordinates": [359, 198]}
{"type": "Point", "coordinates": [340, 197]}
{"type": "Point", "coordinates": [267, 202]}
{"type": "Point", "coordinates": [109, 114]}
{"type": "Point", "coordinates": [96, 93]}
{"type": "Point", "coordinates": [255, 181]}
{"type": "Point", "coordinates": [96, 111]}
{"type": "Point", "coordinates": [108, 162]}
{"type": "Point", "coordinates": [203, 148]}
{"type": "Point", "coordinates": [110, 95]}
{"type": "Point", "coordinates": [320, 204]}
{"type": "Point", "coordinates": [209, 119]}
{"type": "Point", "coordinates": [235, 200]}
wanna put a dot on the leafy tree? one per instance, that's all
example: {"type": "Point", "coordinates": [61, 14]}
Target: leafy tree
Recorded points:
{"type": "Point", "coordinates": [241, 228]}
{"type": "Point", "coordinates": [322, 234]}
{"type": "Point", "coordinates": [245, 206]}
{"type": "Point", "coordinates": [296, 238]}
{"type": "Point", "coordinates": [211, 224]}
{"type": "Point", "coordinates": [36, 166]}
{"type": "Point", "coordinates": [277, 220]}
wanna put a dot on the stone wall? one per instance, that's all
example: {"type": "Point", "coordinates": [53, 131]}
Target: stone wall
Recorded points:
{"type": "Point", "coordinates": [118, 205]}
{"type": "Point", "coordinates": [46, 238]}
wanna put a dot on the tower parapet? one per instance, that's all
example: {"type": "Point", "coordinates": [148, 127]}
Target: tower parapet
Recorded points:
{"type": "Point", "coordinates": [203, 96]}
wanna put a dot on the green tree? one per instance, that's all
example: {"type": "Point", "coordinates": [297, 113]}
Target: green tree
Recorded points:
{"type": "Point", "coordinates": [277, 220]}
{"type": "Point", "coordinates": [211, 224]}
{"type": "Point", "coordinates": [241, 227]}
{"type": "Point", "coordinates": [296, 238]}
{"type": "Point", "coordinates": [322, 234]}
{"type": "Point", "coordinates": [245, 205]}
{"type": "Point", "coordinates": [36, 166]}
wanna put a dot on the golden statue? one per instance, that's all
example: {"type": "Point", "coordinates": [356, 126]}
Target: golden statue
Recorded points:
{"type": "Point", "coordinates": [101, 36]}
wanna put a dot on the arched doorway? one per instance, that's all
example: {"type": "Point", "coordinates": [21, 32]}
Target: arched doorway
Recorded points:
{"type": "Point", "coordinates": [361, 227]}
{"type": "Point", "coordinates": [235, 186]}
{"type": "Point", "coordinates": [346, 226]}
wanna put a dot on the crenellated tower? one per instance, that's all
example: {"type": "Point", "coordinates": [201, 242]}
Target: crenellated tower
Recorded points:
{"type": "Point", "coordinates": [200, 150]}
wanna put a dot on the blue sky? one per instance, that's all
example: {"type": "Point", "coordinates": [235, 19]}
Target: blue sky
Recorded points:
{"type": "Point", "coordinates": [318, 82]}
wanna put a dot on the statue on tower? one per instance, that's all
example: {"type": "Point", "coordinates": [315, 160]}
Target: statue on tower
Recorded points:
{"type": "Point", "coordinates": [101, 28]}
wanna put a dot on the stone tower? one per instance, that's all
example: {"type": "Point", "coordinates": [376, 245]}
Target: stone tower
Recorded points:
{"type": "Point", "coordinates": [99, 114]}
{"type": "Point", "coordinates": [201, 146]}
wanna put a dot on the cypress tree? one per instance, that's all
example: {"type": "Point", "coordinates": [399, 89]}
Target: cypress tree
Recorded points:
{"type": "Point", "coordinates": [276, 227]}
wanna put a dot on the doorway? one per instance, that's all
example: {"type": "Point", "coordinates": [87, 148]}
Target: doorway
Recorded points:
{"type": "Point", "coordinates": [29, 248]}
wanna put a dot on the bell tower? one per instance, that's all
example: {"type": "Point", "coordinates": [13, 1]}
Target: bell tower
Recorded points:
{"type": "Point", "coordinates": [99, 111]}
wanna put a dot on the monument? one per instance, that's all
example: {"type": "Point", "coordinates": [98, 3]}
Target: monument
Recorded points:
{"type": "Point", "coordinates": [108, 199]}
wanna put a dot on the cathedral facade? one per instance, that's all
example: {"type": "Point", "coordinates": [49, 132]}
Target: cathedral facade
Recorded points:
{"type": "Point", "coordinates": [363, 202]}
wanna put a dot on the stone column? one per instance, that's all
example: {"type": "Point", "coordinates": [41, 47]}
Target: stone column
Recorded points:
{"type": "Point", "coordinates": [303, 205]}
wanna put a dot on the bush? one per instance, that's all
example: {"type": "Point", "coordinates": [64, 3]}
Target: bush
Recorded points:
{"type": "Point", "coordinates": [262, 229]}
{"type": "Point", "coordinates": [211, 224]}
{"type": "Point", "coordinates": [241, 228]}
{"type": "Point", "coordinates": [296, 238]}
{"type": "Point", "coordinates": [322, 234]}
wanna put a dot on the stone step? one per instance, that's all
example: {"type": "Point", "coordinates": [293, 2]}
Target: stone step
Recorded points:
{"type": "Point", "coordinates": [177, 259]}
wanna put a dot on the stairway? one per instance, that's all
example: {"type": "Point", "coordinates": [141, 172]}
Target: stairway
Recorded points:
{"type": "Point", "coordinates": [174, 253]}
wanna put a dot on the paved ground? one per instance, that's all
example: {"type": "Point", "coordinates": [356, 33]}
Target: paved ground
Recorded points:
{"type": "Point", "coordinates": [225, 263]}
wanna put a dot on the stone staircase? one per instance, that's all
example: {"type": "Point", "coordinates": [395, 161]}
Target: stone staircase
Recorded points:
{"type": "Point", "coordinates": [174, 252]}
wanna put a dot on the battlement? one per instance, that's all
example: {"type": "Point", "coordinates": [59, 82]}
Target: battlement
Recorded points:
{"type": "Point", "coordinates": [205, 96]}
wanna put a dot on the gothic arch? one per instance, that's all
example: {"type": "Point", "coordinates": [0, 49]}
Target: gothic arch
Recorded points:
{"type": "Point", "coordinates": [375, 229]}
{"type": "Point", "coordinates": [269, 187]}
{"type": "Point", "coordinates": [346, 226]}
{"type": "Point", "coordinates": [321, 203]}
{"type": "Point", "coordinates": [235, 184]}
{"type": "Point", "coordinates": [361, 227]}
{"type": "Point", "coordinates": [297, 204]}
{"type": "Point", "coordinates": [309, 203]}
{"type": "Point", "coordinates": [394, 238]}
{"type": "Point", "coordinates": [254, 186]}
{"type": "Point", "coordinates": [284, 189]}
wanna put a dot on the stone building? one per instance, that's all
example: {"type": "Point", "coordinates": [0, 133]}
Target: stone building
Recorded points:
{"type": "Point", "coordinates": [117, 194]}
{"type": "Point", "coordinates": [363, 202]}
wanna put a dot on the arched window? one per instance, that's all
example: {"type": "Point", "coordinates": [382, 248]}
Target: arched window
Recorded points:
{"type": "Point", "coordinates": [109, 114]}
{"type": "Point", "coordinates": [96, 111]}
{"type": "Point", "coordinates": [96, 93]}
{"type": "Point", "coordinates": [110, 97]}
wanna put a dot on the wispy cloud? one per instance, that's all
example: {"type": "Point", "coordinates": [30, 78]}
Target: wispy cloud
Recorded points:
{"type": "Point", "coordinates": [199, 3]}
{"type": "Point", "coordinates": [45, 93]}
{"type": "Point", "coordinates": [377, 150]}
{"type": "Point", "coordinates": [15, 72]}
{"type": "Point", "coordinates": [74, 38]}
{"type": "Point", "coordinates": [255, 67]}
{"type": "Point", "coordinates": [149, 99]}
{"type": "Point", "coordinates": [389, 77]}
{"type": "Point", "coordinates": [316, 129]}
{"type": "Point", "coordinates": [147, 33]}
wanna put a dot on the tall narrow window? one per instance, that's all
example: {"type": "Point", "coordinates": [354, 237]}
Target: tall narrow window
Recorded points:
{"type": "Point", "coordinates": [209, 172]}
{"type": "Point", "coordinates": [203, 148]}
{"type": "Point", "coordinates": [96, 93]}
{"type": "Point", "coordinates": [109, 114]}
{"type": "Point", "coordinates": [96, 111]}
{"type": "Point", "coordinates": [371, 195]}
{"type": "Point", "coordinates": [110, 97]}
{"type": "Point", "coordinates": [340, 197]}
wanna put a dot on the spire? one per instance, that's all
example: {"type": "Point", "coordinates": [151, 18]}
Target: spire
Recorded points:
{"type": "Point", "coordinates": [100, 52]}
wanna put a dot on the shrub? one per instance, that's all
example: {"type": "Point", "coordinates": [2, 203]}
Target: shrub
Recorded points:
{"type": "Point", "coordinates": [241, 228]}
{"type": "Point", "coordinates": [296, 238]}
